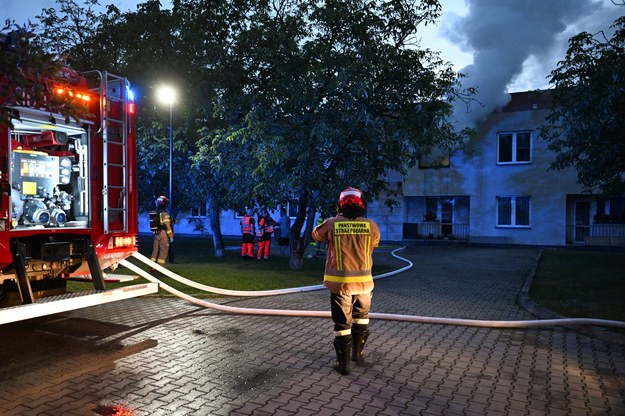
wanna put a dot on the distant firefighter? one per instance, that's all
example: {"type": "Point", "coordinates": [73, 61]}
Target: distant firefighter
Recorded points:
{"type": "Point", "coordinates": [161, 226]}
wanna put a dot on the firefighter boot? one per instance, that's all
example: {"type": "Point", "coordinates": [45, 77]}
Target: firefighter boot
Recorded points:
{"type": "Point", "coordinates": [343, 346]}
{"type": "Point", "coordinates": [360, 333]}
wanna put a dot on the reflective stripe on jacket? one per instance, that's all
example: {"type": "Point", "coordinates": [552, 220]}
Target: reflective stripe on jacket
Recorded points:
{"type": "Point", "coordinates": [165, 220]}
{"type": "Point", "coordinates": [349, 259]}
{"type": "Point", "coordinates": [265, 226]}
{"type": "Point", "coordinates": [261, 227]}
{"type": "Point", "coordinates": [247, 224]}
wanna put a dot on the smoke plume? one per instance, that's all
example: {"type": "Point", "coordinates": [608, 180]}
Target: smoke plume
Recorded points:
{"type": "Point", "coordinates": [507, 36]}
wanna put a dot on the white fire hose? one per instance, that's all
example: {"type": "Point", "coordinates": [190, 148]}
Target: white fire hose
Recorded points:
{"type": "Point", "coordinates": [326, 314]}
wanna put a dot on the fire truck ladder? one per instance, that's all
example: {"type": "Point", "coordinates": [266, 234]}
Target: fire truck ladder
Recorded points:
{"type": "Point", "coordinates": [114, 102]}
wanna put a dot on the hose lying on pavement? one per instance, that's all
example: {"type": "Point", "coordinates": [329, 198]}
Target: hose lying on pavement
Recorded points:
{"type": "Point", "coordinates": [326, 314]}
{"type": "Point", "coordinates": [274, 292]}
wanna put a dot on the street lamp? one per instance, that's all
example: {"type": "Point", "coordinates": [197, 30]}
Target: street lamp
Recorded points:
{"type": "Point", "coordinates": [167, 95]}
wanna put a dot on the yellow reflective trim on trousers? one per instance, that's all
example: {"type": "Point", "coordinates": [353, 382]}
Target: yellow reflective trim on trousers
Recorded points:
{"type": "Point", "coordinates": [348, 279]}
{"type": "Point", "coordinates": [343, 333]}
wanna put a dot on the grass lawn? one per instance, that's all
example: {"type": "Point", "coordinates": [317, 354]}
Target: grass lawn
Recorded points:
{"type": "Point", "coordinates": [581, 284]}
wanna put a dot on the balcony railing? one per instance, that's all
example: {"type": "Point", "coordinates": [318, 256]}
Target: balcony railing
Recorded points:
{"type": "Point", "coordinates": [435, 230]}
{"type": "Point", "coordinates": [596, 234]}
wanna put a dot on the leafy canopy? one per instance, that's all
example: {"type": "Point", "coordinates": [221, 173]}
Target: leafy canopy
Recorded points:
{"type": "Point", "coordinates": [586, 124]}
{"type": "Point", "coordinates": [319, 96]}
{"type": "Point", "coordinates": [280, 99]}
{"type": "Point", "coordinates": [28, 74]}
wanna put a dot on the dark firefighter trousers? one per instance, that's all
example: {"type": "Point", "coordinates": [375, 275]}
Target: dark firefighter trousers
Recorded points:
{"type": "Point", "coordinates": [349, 309]}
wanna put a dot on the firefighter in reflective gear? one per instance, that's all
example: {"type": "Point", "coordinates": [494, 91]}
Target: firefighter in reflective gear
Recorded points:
{"type": "Point", "coordinates": [319, 247]}
{"type": "Point", "coordinates": [265, 231]}
{"type": "Point", "coordinates": [248, 229]}
{"type": "Point", "coordinates": [164, 232]}
{"type": "Point", "coordinates": [351, 239]}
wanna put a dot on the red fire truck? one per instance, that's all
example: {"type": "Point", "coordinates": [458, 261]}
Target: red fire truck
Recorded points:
{"type": "Point", "coordinates": [68, 203]}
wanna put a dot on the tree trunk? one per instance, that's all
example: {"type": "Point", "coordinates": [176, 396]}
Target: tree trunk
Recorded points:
{"type": "Point", "coordinates": [299, 242]}
{"type": "Point", "coordinates": [296, 261]}
{"type": "Point", "coordinates": [218, 239]}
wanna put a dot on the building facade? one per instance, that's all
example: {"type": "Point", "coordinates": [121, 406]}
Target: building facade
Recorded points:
{"type": "Point", "coordinates": [499, 189]}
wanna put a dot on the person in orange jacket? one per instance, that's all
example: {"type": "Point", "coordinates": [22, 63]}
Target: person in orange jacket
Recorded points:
{"type": "Point", "coordinates": [351, 239]}
{"type": "Point", "coordinates": [248, 229]}
{"type": "Point", "coordinates": [265, 231]}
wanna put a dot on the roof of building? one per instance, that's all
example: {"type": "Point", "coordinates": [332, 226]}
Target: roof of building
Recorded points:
{"type": "Point", "coordinates": [529, 100]}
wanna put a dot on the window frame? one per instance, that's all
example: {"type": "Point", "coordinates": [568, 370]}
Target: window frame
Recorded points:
{"type": "Point", "coordinates": [199, 210]}
{"type": "Point", "coordinates": [515, 147]}
{"type": "Point", "coordinates": [514, 206]}
{"type": "Point", "coordinates": [291, 210]}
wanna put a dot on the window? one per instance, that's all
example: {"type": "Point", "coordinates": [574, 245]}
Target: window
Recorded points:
{"type": "Point", "coordinates": [513, 211]}
{"type": "Point", "coordinates": [198, 211]}
{"type": "Point", "coordinates": [291, 210]}
{"type": "Point", "coordinates": [514, 147]}
{"type": "Point", "coordinates": [433, 162]}
{"type": "Point", "coordinates": [431, 208]}
{"type": "Point", "coordinates": [610, 211]}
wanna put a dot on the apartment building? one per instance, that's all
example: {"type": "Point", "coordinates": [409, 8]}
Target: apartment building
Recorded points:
{"type": "Point", "coordinates": [499, 189]}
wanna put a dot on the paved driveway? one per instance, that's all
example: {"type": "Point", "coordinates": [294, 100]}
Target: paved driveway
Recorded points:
{"type": "Point", "coordinates": [163, 356]}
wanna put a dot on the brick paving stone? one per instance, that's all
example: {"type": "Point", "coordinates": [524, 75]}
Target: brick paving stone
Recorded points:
{"type": "Point", "coordinates": [391, 410]}
{"type": "Point", "coordinates": [458, 400]}
{"type": "Point", "coordinates": [517, 407]}
{"type": "Point", "coordinates": [314, 405]}
{"type": "Point", "coordinates": [271, 406]}
{"type": "Point", "coordinates": [292, 406]}
{"type": "Point", "coordinates": [476, 407]}
{"type": "Point", "coordinates": [500, 407]}
{"type": "Point", "coordinates": [540, 404]}
{"type": "Point", "coordinates": [18, 410]}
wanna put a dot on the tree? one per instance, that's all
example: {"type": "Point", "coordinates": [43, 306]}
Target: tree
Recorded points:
{"type": "Point", "coordinates": [585, 126]}
{"type": "Point", "coordinates": [70, 31]}
{"type": "Point", "coordinates": [27, 75]}
{"type": "Point", "coordinates": [325, 95]}
{"type": "Point", "coordinates": [316, 96]}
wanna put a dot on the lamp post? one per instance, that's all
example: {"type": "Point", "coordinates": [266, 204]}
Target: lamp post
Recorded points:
{"type": "Point", "coordinates": [167, 95]}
